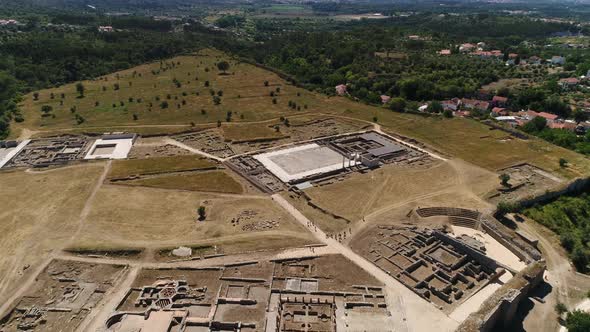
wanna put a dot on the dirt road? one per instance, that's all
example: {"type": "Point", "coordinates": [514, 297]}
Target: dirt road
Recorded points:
{"type": "Point", "coordinates": [421, 317]}
{"type": "Point", "coordinates": [561, 277]}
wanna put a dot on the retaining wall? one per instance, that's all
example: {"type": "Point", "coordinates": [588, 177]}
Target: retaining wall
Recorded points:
{"type": "Point", "coordinates": [501, 307]}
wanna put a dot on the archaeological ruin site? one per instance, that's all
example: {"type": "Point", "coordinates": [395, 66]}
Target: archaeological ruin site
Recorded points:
{"type": "Point", "coordinates": [323, 225]}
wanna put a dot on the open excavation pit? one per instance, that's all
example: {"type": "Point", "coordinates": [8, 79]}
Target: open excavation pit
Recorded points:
{"type": "Point", "coordinates": [436, 266]}
{"type": "Point", "coordinates": [62, 296]}
{"type": "Point", "coordinates": [525, 181]}
{"type": "Point", "coordinates": [60, 150]}
{"type": "Point", "coordinates": [303, 165]}
{"type": "Point", "coordinates": [325, 293]}
{"type": "Point", "coordinates": [44, 152]}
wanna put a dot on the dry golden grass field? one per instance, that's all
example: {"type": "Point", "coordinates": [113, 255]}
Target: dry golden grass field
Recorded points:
{"type": "Point", "coordinates": [249, 100]}
{"type": "Point", "coordinates": [40, 212]}
{"type": "Point", "coordinates": [142, 217]}
{"type": "Point", "coordinates": [376, 194]}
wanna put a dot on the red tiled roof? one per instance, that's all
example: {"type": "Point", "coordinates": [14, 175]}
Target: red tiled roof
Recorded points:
{"type": "Point", "coordinates": [500, 99]}
{"type": "Point", "coordinates": [547, 116]}
{"type": "Point", "coordinates": [562, 125]}
{"type": "Point", "coordinates": [469, 103]}
{"type": "Point", "coordinates": [498, 110]}
{"type": "Point", "coordinates": [570, 80]}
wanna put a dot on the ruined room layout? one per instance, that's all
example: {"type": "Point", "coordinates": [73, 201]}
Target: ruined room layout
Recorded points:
{"type": "Point", "coordinates": [62, 296]}
{"type": "Point", "coordinates": [436, 266]}
{"type": "Point", "coordinates": [302, 165]}
{"type": "Point", "coordinates": [300, 295]}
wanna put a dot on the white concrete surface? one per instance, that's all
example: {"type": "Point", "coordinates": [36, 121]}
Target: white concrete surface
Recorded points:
{"type": "Point", "coordinates": [303, 160]}
{"type": "Point", "coordinates": [120, 151]}
{"type": "Point", "coordinates": [494, 249]}
{"type": "Point", "coordinates": [474, 302]}
{"type": "Point", "coordinates": [11, 152]}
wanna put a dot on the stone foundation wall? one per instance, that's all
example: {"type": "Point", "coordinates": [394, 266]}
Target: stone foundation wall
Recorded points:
{"type": "Point", "coordinates": [503, 304]}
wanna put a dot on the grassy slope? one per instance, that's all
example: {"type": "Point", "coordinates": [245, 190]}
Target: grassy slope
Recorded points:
{"type": "Point", "coordinates": [462, 138]}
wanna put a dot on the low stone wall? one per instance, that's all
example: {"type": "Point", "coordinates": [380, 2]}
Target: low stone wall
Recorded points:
{"type": "Point", "coordinates": [477, 255]}
{"type": "Point", "coordinates": [574, 187]}
{"type": "Point", "coordinates": [511, 131]}
{"type": "Point", "coordinates": [501, 307]}
{"type": "Point", "coordinates": [512, 242]}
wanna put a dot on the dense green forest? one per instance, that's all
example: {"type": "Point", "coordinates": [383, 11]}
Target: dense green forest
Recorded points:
{"type": "Point", "coordinates": [376, 57]}
{"type": "Point", "coordinates": [373, 57]}
{"type": "Point", "coordinates": [569, 217]}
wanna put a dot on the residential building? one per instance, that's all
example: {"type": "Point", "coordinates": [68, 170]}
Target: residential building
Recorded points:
{"type": "Point", "coordinates": [474, 104]}
{"type": "Point", "coordinates": [558, 60]}
{"type": "Point", "coordinates": [341, 89]}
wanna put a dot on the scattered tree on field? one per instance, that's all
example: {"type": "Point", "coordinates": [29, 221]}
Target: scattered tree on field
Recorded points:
{"type": "Point", "coordinates": [504, 178]}
{"type": "Point", "coordinates": [560, 308]}
{"type": "Point", "coordinates": [46, 109]}
{"type": "Point", "coordinates": [201, 212]}
{"type": "Point", "coordinates": [562, 162]}
{"type": "Point", "coordinates": [223, 66]}
{"type": "Point", "coordinates": [80, 89]}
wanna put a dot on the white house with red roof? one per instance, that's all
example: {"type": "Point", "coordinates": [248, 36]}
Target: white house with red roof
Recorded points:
{"type": "Point", "coordinates": [467, 47]}
{"type": "Point", "coordinates": [451, 104]}
{"type": "Point", "coordinates": [341, 89]}
{"type": "Point", "coordinates": [475, 104]}
{"type": "Point", "coordinates": [568, 83]}
{"type": "Point", "coordinates": [499, 101]}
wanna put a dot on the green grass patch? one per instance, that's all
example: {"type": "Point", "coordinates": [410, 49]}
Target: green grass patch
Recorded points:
{"type": "Point", "coordinates": [211, 181]}
{"type": "Point", "coordinates": [125, 168]}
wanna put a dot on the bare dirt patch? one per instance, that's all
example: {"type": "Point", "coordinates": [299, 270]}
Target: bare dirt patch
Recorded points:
{"type": "Point", "coordinates": [145, 217]}
{"type": "Point", "coordinates": [62, 296]}
{"type": "Point", "coordinates": [39, 212]}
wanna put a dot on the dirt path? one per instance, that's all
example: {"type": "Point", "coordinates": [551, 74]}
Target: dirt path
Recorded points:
{"type": "Point", "coordinates": [89, 201]}
{"type": "Point", "coordinates": [559, 273]}
{"type": "Point", "coordinates": [193, 150]}
{"type": "Point", "coordinates": [95, 321]}
{"type": "Point", "coordinates": [24, 287]}
{"type": "Point", "coordinates": [26, 134]}
{"type": "Point", "coordinates": [558, 267]}
{"type": "Point", "coordinates": [399, 297]}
